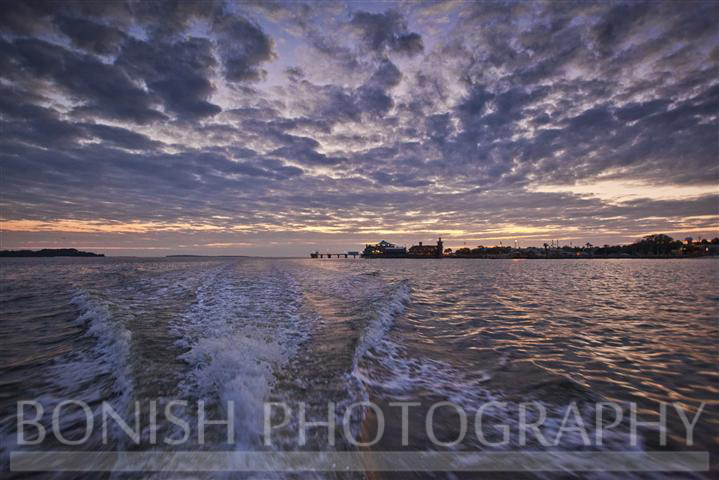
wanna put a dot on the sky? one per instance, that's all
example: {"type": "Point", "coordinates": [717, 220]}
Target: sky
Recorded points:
{"type": "Point", "coordinates": [281, 128]}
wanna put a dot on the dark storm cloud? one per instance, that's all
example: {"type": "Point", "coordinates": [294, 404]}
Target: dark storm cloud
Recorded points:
{"type": "Point", "coordinates": [649, 145]}
{"type": "Point", "coordinates": [387, 75]}
{"type": "Point", "coordinates": [270, 113]}
{"type": "Point", "coordinates": [91, 36]}
{"type": "Point", "coordinates": [387, 31]}
{"type": "Point", "coordinates": [44, 130]}
{"type": "Point", "coordinates": [177, 73]}
{"type": "Point", "coordinates": [244, 47]}
{"type": "Point", "coordinates": [99, 88]}
{"type": "Point", "coordinates": [157, 181]}
{"type": "Point", "coordinates": [121, 137]}
{"type": "Point", "coordinates": [374, 101]}
{"type": "Point", "coordinates": [617, 24]}
{"type": "Point", "coordinates": [169, 19]}
{"type": "Point", "coordinates": [176, 70]}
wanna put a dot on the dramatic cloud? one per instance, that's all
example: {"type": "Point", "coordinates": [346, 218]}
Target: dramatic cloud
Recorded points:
{"type": "Point", "coordinates": [387, 31]}
{"type": "Point", "coordinates": [280, 127]}
{"type": "Point", "coordinates": [176, 73]}
{"type": "Point", "coordinates": [91, 36]}
{"type": "Point", "coordinates": [244, 47]}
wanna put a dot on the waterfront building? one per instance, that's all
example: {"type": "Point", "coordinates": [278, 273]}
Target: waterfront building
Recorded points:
{"type": "Point", "coordinates": [427, 250]}
{"type": "Point", "coordinates": [384, 249]}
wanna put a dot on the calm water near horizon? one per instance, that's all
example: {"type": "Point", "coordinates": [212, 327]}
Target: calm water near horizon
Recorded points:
{"type": "Point", "coordinates": [251, 330]}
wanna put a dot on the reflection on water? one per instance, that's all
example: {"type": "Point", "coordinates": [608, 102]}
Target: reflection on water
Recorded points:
{"type": "Point", "coordinates": [468, 331]}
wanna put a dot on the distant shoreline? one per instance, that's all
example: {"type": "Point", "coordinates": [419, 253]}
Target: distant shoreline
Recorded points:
{"type": "Point", "coordinates": [48, 252]}
{"type": "Point", "coordinates": [209, 256]}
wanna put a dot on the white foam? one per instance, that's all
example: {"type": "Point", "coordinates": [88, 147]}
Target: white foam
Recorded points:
{"type": "Point", "coordinates": [111, 350]}
{"type": "Point", "coordinates": [394, 304]}
{"type": "Point", "coordinates": [404, 376]}
{"type": "Point", "coordinates": [242, 326]}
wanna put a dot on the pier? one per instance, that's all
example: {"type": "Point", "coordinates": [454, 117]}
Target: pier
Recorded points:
{"type": "Point", "coordinates": [329, 255]}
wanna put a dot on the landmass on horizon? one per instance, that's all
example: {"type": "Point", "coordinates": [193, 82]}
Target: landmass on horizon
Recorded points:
{"type": "Point", "coordinates": [650, 246]}
{"type": "Point", "coordinates": [49, 252]}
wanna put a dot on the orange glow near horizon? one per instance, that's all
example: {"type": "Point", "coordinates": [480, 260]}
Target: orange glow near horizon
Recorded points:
{"type": "Point", "coordinates": [502, 232]}
{"type": "Point", "coordinates": [83, 226]}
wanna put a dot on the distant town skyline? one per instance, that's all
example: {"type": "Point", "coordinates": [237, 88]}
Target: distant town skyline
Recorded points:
{"type": "Point", "coordinates": [281, 128]}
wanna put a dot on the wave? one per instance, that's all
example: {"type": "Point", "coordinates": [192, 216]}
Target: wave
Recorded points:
{"type": "Point", "coordinates": [241, 327]}
{"type": "Point", "coordinates": [110, 353]}
{"type": "Point", "coordinates": [393, 302]}
{"type": "Point", "coordinates": [394, 371]}
{"type": "Point", "coordinates": [94, 368]}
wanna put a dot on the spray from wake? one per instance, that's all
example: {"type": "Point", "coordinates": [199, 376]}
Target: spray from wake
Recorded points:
{"type": "Point", "coordinates": [241, 328]}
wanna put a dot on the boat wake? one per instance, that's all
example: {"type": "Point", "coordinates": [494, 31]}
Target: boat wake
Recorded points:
{"type": "Point", "coordinates": [242, 327]}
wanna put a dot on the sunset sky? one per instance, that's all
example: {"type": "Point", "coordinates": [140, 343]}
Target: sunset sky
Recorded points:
{"type": "Point", "coordinates": [275, 128]}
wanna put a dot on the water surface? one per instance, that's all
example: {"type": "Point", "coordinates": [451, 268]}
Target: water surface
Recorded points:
{"type": "Point", "coordinates": [467, 331]}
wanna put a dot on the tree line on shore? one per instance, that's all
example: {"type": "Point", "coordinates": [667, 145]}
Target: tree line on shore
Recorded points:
{"type": "Point", "coordinates": [658, 245]}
